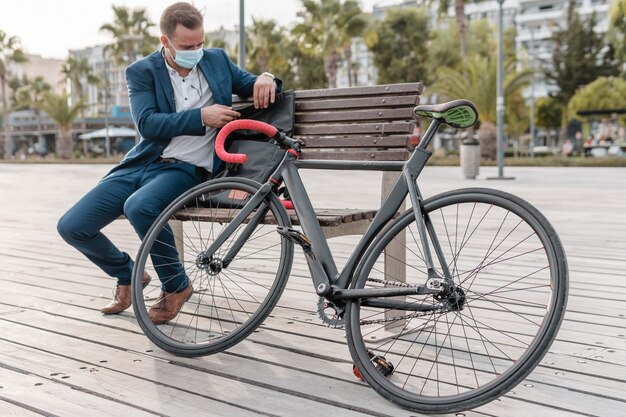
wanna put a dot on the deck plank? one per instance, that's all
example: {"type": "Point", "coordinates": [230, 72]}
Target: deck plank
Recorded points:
{"type": "Point", "coordinates": [51, 295]}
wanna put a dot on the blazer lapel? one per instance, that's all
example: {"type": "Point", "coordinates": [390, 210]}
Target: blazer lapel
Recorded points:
{"type": "Point", "coordinates": [205, 67]}
{"type": "Point", "coordinates": [163, 79]}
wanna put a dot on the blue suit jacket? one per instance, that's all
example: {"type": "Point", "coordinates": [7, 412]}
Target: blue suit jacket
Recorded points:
{"type": "Point", "coordinates": [153, 109]}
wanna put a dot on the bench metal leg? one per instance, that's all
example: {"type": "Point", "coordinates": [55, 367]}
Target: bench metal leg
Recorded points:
{"type": "Point", "coordinates": [395, 253]}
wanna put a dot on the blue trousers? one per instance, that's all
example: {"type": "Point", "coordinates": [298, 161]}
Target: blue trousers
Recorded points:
{"type": "Point", "coordinates": [141, 195]}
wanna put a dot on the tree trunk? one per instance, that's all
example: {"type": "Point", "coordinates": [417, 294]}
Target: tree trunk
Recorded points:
{"type": "Point", "coordinates": [64, 142]}
{"type": "Point", "coordinates": [459, 11]}
{"type": "Point", "coordinates": [347, 52]}
{"type": "Point", "coordinates": [79, 93]}
{"type": "Point", "coordinates": [264, 63]}
{"type": "Point", "coordinates": [39, 129]}
{"type": "Point", "coordinates": [330, 68]}
{"type": "Point", "coordinates": [5, 144]}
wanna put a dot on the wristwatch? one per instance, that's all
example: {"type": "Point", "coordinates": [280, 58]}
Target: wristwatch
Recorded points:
{"type": "Point", "coordinates": [268, 74]}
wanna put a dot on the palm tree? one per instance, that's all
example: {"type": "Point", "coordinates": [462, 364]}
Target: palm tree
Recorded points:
{"type": "Point", "coordinates": [476, 81]}
{"type": "Point", "coordinates": [480, 84]}
{"type": "Point", "coordinates": [459, 13]}
{"type": "Point", "coordinates": [617, 30]}
{"type": "Point", "coordinates": [58, 109]}
{"type": "Point", "coordinates": [31, 96]}
{"type": "Point", "coordinates": [327, 27]}
{"type": "Point", "coordinates": [131, 34]}
{"type": "Point", "coordinates": [265, 47]}
{"type": "Point", "coordinates": [77, 72]}
{"type": "Point", "coordinates": [355, 22]}
{"type": "Point", "coordinates": [10, 51]}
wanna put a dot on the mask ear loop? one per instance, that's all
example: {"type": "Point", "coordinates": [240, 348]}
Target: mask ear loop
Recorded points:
{"type": "Point", "coordinates": [169, 42]}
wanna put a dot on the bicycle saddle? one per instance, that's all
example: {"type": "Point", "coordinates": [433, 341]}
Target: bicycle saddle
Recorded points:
{"type": "Point", "coordinates": [459, 114]}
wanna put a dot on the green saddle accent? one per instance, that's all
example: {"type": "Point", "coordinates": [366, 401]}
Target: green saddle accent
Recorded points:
{"type": "Point", "coordinates": [459, 114]}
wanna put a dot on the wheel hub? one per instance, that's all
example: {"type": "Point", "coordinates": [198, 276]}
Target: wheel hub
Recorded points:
{"type": "Point", "coordinates": [213, 266]}
{"type": "Point", "coordinates": [454, 297]}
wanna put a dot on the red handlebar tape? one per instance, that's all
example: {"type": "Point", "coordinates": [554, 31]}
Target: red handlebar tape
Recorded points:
{"type": "Point", "coordinates": [242, 124]}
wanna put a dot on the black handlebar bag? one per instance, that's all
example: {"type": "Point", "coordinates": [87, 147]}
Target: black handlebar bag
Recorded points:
{"type": "Point", "coordinates": [263, 153]}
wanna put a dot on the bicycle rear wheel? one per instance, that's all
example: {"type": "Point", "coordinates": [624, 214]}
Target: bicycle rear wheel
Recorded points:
{"type": "Point", "coordinates": [234, 290]}
{"type": "Point", "coordinates": [477, 343]}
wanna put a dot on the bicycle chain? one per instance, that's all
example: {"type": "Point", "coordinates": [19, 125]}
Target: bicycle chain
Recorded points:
{"type": "Point", "coordinates": [393, 319]}
{"type": "Point", "coordinates": [408, 316]}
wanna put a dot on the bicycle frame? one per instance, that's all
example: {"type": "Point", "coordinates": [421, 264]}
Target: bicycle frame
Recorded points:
{"type": "Point", "coordinates": [328, 280]}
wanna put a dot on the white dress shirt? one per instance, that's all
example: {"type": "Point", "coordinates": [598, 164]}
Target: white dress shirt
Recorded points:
{"type": "Point", "coordinates": [192, 92]}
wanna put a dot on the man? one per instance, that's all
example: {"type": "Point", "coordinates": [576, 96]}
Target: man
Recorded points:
{"type": "Point", "coordinates": [179, 97]}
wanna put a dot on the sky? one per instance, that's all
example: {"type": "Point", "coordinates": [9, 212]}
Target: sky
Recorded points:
{"type": "Point", "coordinates": [51, 27]}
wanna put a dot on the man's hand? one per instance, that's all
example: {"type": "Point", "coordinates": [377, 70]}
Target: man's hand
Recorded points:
{"type": "Point", "coordinates": [264, 92]}
{"type": "Point", "coordinates": [218, 115]}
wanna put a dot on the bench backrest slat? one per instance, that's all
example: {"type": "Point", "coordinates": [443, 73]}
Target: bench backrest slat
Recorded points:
{"type": "Point", "coordinates": [393, 141]}
{"type": "Point", "coordinates": [387, 114]}
{"type": "Point", "coordinates": [374, 123]}
{"type": "Point", "coordinates": [381, 90]}
{"type": "Point", "coordinates": [347, 129]}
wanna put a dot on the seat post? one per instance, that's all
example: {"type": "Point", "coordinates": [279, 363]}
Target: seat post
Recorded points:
{"type": "Point", "coordinates": [430, 133]}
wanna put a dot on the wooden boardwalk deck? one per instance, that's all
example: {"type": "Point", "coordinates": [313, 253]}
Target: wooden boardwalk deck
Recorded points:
{"type": "Point", "coordinates": [60, 356]}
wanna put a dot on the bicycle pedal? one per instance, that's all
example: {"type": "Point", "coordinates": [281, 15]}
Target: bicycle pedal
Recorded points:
{"type": "Point", "coordinates": [295, 236]}
{"type": "Point", "coordinates": [380, 363]}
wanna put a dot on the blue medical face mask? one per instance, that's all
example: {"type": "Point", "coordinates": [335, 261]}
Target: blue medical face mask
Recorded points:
{"type": "Point", "coordinates": [186, 59]}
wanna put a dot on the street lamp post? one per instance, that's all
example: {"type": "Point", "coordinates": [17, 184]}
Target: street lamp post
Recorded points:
{"type": "Point", "coordinates": [532, 93]}
{"type": "Point", "coordinates": [532, 114]}
{"type": "Point", "coordinates": [500, 99]}
{"type": "Point", "coordinates": [242, 36]}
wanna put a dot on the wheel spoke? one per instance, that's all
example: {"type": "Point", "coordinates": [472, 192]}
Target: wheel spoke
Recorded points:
{"type": "Point", "coordinates": [492, 312]}
{"type": "Point", "coordinates": [229, 302]}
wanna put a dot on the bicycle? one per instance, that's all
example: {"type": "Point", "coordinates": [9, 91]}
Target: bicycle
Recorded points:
{"type": "Point", "coordinates": [463, 314]}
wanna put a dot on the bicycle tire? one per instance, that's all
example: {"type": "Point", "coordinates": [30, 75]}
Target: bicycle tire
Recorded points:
{"type": "Point", "coordinates": [483, 355]}
{"type": "Point", "coordinates": [229, 302]}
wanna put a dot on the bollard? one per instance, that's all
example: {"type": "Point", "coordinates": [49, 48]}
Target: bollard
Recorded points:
{"type": "Point", "coordinates": [470, 158]}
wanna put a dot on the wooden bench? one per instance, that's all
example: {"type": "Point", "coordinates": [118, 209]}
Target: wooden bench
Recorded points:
{"type": "Point", "coordinates": [356, 124]}
{"type": "Point", "coordinates": [373, 123]}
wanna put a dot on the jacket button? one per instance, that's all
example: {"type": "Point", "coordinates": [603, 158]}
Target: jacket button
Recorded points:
{"type": "Point", "coordinates": [161, 147]}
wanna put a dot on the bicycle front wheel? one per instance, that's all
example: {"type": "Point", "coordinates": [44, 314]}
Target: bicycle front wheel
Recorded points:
{"type": "Point", "coordinates": [234, 288]}
{"type": "Point", "coordinates": [474, 344]}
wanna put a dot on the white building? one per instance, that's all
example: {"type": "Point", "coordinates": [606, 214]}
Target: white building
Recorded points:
{"type": "Point", "coordinates": [229, 36]}
{"type": "Point", "coordinates": [535, 22]}
{"type": "Point", "coordinates": [538, 19]}
{"type": "Point", "coordinates": [38, 66]}
{"type": "Point", "coordinates": [112, 79]}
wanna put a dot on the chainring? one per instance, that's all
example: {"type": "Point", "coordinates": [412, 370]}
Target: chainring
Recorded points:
{"type": "Point", "coordinates": [330, 314]}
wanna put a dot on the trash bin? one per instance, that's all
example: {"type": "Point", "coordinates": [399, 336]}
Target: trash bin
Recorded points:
{"type": "Point", "coordinates": [470, 158]}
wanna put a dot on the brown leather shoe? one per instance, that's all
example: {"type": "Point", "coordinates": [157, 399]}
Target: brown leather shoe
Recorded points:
{"type": "Point", "coordinates": [169, 305]}
{"type": "Point", "coordinates": [121, 299]}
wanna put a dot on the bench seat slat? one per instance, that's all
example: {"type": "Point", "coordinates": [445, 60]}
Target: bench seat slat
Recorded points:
{"type": "Point", "coordinates": [355, 116]}
{"type": "Point", "coordinates": [326, 217]}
